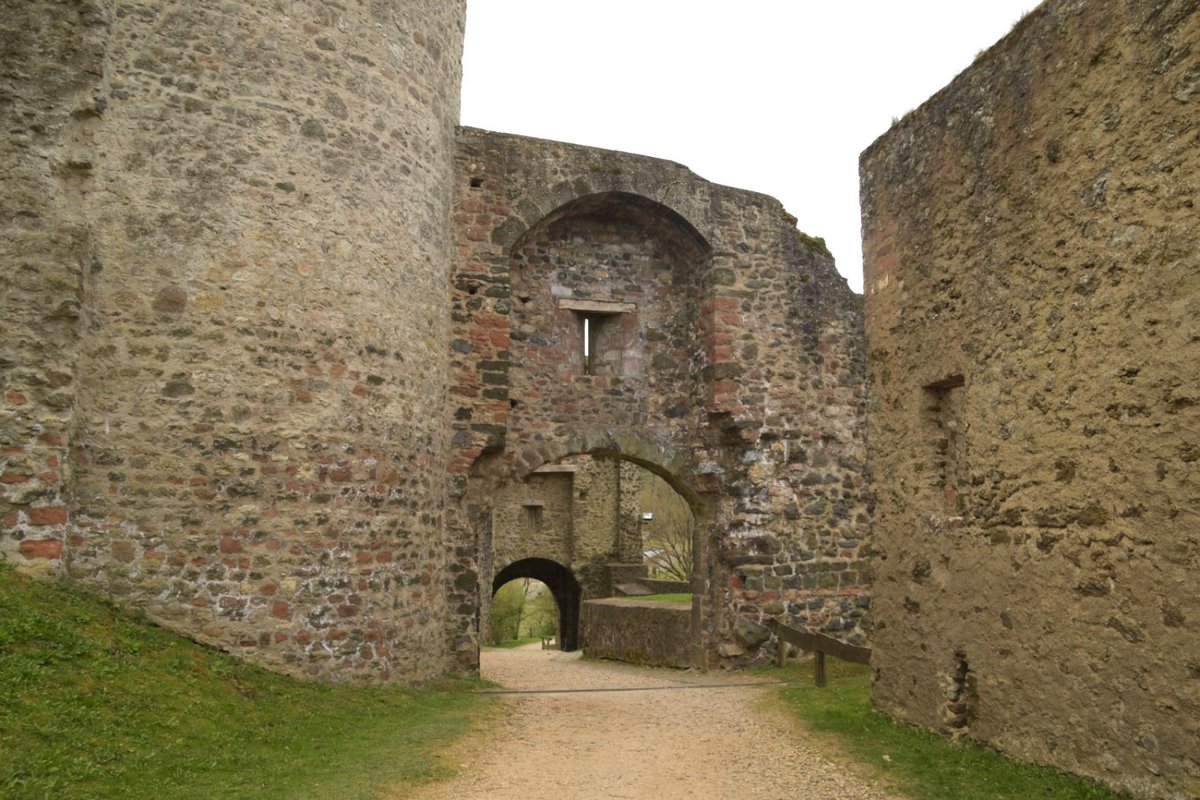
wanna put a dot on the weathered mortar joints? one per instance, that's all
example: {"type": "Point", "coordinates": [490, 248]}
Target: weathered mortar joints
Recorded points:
{"type": "Point", "coordinates": [727, 359]}
{"type": "Point", "coordinates": [227, 241]}
{"type": "Point", "coordinates": [1033, 289]}
{"type": "Point", "coordinates": [252, 260]}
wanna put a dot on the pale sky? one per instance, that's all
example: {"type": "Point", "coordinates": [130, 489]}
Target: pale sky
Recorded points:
{"type": "Point", "coordinates": [776, 96]}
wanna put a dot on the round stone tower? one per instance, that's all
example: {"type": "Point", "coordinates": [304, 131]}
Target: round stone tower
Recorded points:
{"type": "Point", "coordinates": [244, 208]}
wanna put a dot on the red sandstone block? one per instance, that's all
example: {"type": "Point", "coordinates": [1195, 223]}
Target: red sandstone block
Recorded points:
{"type": "Point", "coordinates": [230, 545]}
{"type": "Point", "coordinates": [16, 398]}
{"type": "Point", "coordinates": [10, 520]}
{"type": "Point", "coordinates": [384, 556]}
{"type": "Point", "coordinates": [51, 440]}
{"type": "Point", "coordinates": [281, 610]}
{"type": "Point", "coordinates": [360, 391]}
{"type": "Point", "coordinates": [41, 548]}
{"type": "Point", "coordinates": [303, 637]}
{"type": "Point", "coordinates": [48, 515]}
{"type": "Point", "coordinates": [364, 557]}
{"type": "Point", "coordinates": [280, 637]}
{"type": "Point", "coordinates": [341, 474]}
{"type": "Point", "coordinates": [13, 477]}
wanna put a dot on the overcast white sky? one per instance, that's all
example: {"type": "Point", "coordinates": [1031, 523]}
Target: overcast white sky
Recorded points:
{"type": "Point", "coordinates": [777, 96]}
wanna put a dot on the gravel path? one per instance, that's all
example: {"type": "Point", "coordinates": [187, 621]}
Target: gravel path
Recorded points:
{"type": "Point", "coordinates": [694, 743]}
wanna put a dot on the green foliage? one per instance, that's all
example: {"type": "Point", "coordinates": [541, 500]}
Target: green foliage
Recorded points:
{"type": "Point", "coordinates": [668, 537]}
{"type": "Point", "coordinates": [920, 764]}
{"type": "Point", "coordinates": [541, 614]}
{"type": "Point", "coordinates": [95, 704]}
{"type": "Point", "coordinates": [522, 608]}
{"type": "Point", "coordinates": [507, 604]}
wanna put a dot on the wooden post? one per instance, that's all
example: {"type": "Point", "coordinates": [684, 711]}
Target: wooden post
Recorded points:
{"type": "Point", "coordinates": [819, 664]}
{"type": "Point", "coordinates": [780, 652]}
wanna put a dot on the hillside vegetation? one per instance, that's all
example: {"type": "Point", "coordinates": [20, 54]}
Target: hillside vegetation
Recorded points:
{"type": "Point", "coordinates": [97, 704]}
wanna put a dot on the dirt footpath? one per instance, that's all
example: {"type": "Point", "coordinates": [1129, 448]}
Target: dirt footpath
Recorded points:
{"type": "Point", "coordinates": [672, 741]}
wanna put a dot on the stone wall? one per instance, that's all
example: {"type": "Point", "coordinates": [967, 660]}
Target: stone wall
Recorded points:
{"type": "Point", "coordinates": [657, 634]}
{"type": "Point", "coordinates": [50, 96]}
{"type": "Point", "coordinates": [248, 272]}
{"type": "Point", "coordinates": [233, 232]}
{"type": "Point", "coordinates": [728, 360]}
{"type": "Point", "coordinates": [1033, 290]}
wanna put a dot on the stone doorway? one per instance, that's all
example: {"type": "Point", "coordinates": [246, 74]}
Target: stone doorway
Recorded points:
{"type": "Point", "coordinates": [562, 585]}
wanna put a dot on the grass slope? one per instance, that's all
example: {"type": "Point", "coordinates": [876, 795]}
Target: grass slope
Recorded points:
{"type": "Point", "coordinates": [917, 763]}
{"type": "Point", "coordinates": [95, 704]}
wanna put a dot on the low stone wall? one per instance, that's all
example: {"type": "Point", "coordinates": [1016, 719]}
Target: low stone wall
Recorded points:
{"type": "Point", "coordinates": [666, 587]}
{"type": "Point", "coordinates": [657, 634]}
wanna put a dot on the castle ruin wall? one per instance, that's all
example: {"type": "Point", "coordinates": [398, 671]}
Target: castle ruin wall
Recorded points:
{"type": "Point", "coordinates": [1031, 237]}
{"type": "Point", "coordinates": [225, 379]}
{"type": "Point", "coordinates": [729, 361]}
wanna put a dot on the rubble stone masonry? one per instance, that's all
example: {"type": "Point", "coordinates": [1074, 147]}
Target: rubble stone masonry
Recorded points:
{"type": "Point", "coordinates": [726, 357]}
{"type": "Point", "coordinates": [276, 335]}
{"type": "Point", "coordinates": [1032, 240]}
{"type": "Point", "coordinates": [227, 247]}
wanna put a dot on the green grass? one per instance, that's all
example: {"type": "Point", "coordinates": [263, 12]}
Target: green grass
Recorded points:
{"type": "Point", "coordinates": [678, 597]}
{"type": "Point", "coordinates": [917, 763]}
{"type": "Point", "coordinates": [95, 704]}
{"type": "Point", "coordinates": [518, 642]}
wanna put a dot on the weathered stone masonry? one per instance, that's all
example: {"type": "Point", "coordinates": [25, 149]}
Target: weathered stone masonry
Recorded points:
{"type": "Point", "coordinates": [729, 363]}
{"type": "Point", "coordinates": [248, 260]}
{"type": "Point", "coordinates": [227, 246]}
{"type": "Point", "coordinates": [1033, 291]}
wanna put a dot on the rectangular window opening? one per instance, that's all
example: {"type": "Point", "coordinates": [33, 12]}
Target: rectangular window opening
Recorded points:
{"type": "Point", "coordinates": [533, 518]}
{"type": "Point", "coordinates": [589, 367]}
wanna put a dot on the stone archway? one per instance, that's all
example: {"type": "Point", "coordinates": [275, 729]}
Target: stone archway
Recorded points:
{"type": "Point", "coordinates": [587, 500]}
{"type": "Point", "coordinates": [727, 360]}
{"type": "Point", "coordinates": [562, 585]}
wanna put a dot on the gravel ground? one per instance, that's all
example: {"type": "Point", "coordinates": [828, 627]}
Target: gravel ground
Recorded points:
{"type": "Point", "coordinates": [697, 743]}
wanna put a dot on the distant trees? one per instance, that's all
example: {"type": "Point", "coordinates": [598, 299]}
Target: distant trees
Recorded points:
{"type": "Point", "coordinates": [666, 539]}
{"type": "Point", "coordinates": [523, 608]}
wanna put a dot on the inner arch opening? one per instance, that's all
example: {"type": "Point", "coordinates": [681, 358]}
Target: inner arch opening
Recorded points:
{"type": "Point", "coordinates": [562, 585]}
